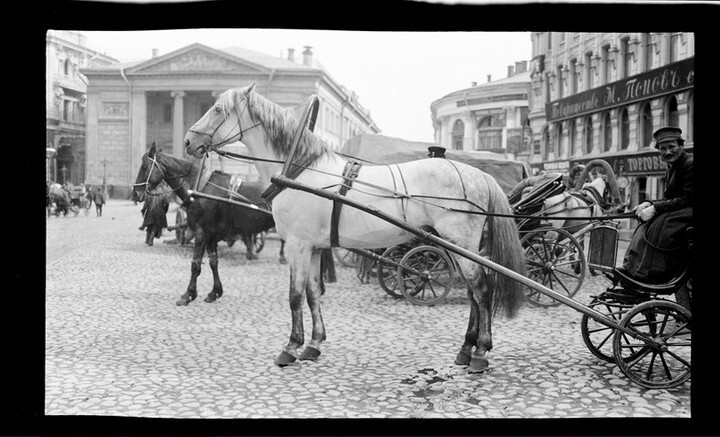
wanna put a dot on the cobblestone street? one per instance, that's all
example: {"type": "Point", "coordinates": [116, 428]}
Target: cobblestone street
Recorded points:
{"type": "Point", "coordinates": [117, 345]}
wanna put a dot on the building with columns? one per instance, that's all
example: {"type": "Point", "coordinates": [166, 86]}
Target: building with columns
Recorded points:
{"type": "Point", "coordinates": [489, 117]}
{"type": "Point", "coordinates": [602, 95]}
{"type": "Point", "coordinates": [131, 105]}
{"type": "Point", "coordinates": [65, 90]}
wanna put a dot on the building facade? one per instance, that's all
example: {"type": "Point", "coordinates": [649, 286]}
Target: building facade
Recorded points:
{"type": "Point", "coordinates": [66, 53]}
{"type": "Point", "coordinates": [601, 95]}
{"type": "Point", "coordinates": [490, 117]}
{"type": "Point", "coordinates": [132, 105]}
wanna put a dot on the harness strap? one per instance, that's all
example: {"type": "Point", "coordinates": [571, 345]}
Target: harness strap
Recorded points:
{"type": "Point", "coordinates": [350, 172]}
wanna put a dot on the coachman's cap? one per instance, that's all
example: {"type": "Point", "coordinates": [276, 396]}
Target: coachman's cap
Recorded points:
{"type": "Point", "coordinates": [667, 133]}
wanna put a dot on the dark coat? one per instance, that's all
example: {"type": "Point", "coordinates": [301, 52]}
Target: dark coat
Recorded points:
{"type": "Point", "coordinates": [154, 211]}
{"type": "Point", "coordinates": [658, 251]}
{"type": "Point", "coordinates": [98, 197]}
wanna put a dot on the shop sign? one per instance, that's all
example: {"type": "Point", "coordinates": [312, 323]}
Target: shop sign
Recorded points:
{"type": "Point", "coordinates": [556, 166]}
{"type": "Point", "coordinates": [668, 79]}
{"type": "Point", "coordinates": [639, 164]}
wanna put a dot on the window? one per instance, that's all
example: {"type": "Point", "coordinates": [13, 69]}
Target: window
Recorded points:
{"type": "Point", "coordinates": [607, 132]}
{"type": "Point", "coordinates": [573, 79]}
{"type": "Point", "coordinates": [671, 112]}
{"type": "Point", "coordinates": [559, 81]}
{"type": "Point", "coordinates": [649, 51]}
{"type": "Point", "coordinates": [646, 125]}
{"type": "Point", "coordinates": [588, 135]}
{"type": "Point", "coordinates": [67, 67]}
{"type": "Point", "coordinates": [458, 134]}
{"type": "Point", "coordinates": [605, 64]}
{"type": "Point", "coordinates": [624, 129]}
{"type": "Point", "coordinates": [549, 40]}
{"type": "Point", "coordinates": [571, 137]}
{"type": "Point", "coordinates": [626, 57]}
{"type": "Point", "coordinates": [588, 79]}
{"type": "Point", "coordinates": [67, 110]}
{"type": "Point", "coordinates": [674, 47]}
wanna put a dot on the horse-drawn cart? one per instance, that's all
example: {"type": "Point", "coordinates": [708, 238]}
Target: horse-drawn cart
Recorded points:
{"type": "Point", "coordinates": [650, 339]}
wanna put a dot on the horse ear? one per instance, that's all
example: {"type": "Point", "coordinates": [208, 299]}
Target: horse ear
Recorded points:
{"type": "Point", "coordinates": [153, 150]}
{"type": "Point", "coordinates": [250, 88]}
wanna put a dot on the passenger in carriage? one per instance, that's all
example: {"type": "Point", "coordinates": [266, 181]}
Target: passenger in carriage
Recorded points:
{"type": "Point", "coordinates": [656, 252]}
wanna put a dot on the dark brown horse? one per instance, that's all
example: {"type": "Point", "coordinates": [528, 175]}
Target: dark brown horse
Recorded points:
{"type": "Point", "coordinates": [211, 221]}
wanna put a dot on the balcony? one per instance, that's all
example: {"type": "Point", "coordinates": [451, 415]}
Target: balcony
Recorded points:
{"type": "Point", "coordinates": [70, 83]}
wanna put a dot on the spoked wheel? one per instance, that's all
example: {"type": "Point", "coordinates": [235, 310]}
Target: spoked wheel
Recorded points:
{"type": "Point", "coordinates": [426, 275]}
{"type": "Point", "coordinates": [598, 336]}
{"type": "Point", "coordinates": [664, 362]}
{"type": "Point", "coordinates": [387, 273]}
{"type": "Point", "coordinates": [555, 259]}
{"type": "Point", "coordinates": [345, 257]}
{"type": "Point", "coordinates": [259, 242]}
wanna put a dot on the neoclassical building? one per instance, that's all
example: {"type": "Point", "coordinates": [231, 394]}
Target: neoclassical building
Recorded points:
{"type": "Point", "coordinates": [65, 90]}
{"type": "Point", "coordinates": [601, 95]}
{"type": "Point", "coordinates": [132, 105]}
{"type": "Point", "coordinates": [490, 117]}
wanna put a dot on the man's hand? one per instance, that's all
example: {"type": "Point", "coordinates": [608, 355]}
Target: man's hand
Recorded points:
{"type": "Point", "coordinates": [642, 206]}
{"type": "Point", "coordinates": [647, 213]}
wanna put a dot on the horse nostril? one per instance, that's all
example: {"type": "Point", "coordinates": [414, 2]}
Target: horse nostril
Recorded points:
{"type": "Point", "coordinates": [187, 143]}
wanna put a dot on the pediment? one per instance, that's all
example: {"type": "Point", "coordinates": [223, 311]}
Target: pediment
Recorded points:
{"type": "Point", "coordinates": [196, 60]}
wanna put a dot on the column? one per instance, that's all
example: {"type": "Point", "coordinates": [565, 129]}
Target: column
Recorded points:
{"type": "Point", "coordinates": [178, 123]}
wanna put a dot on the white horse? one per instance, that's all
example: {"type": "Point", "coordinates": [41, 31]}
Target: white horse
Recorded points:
{"type": "Point", "coordinates": [453, 199]}
{"type": "Point", "coordinates": [573, 208]}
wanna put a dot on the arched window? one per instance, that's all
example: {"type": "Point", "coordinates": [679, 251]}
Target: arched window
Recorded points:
{"type": "Point", "coordinates": [558, 140]}
{"type": "Point", "coordinates": [624, 129]}
{"type": "Point", "coordinates": [66, 67]}
{"type": "Point", "coordinates": [571, 137]}
{"type": "Point", "coordinates": [672, 116]}
{"type": "Point", "coordinates": [646, 125]}
{"type": "Point", "coordinates": [607, 132]}
{"type": "Point", "coordinates": [588, 135]}
{"type": "Point", "coordinates": [458, 134]}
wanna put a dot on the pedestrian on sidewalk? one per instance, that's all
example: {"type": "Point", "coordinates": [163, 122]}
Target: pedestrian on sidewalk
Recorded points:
{"type": "Point", "coordinates": [99, 199]}
{"type": "Point", "coordinates": [154, 213]}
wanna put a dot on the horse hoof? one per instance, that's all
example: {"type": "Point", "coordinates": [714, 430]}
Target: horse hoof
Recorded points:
{"type": "Point", "coordinates": [210, 298]}
{"type": "Point", "coordinates": [283, 261]}
{"type": "Point", "coordinates": [310, 353]}
{"type": "Point", "coordinates": [462, 359]}
{"type": "Point", "coordinates": [284, 359]}
{"type": "Point", "coordinates": [478, 365]}
{"type": "Point", "coordinates": [182, 302]}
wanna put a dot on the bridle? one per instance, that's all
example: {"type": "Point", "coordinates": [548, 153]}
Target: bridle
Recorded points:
{"type": "Point", "coordinates": [146, 184]}
{"type": "Point", "coordinates": [236, 137]}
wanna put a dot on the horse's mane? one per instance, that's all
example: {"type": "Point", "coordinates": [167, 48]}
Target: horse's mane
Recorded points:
{"type": "Point", "coordinates": [280, 126]}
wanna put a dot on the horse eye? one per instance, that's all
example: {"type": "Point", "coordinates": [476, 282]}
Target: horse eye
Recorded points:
{"type": "Point", "coordinates": [217, 109]}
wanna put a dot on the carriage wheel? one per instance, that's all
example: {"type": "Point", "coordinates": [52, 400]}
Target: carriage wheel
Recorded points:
{"type": "Point", "coordinates": [259, 241]}
{"type": "Point", "coordinates": [665, 363]}
{"type": "Point", "coordinates": [180, 227]}
{"type": "Point", "coordinates": [597, 336]}
{"type": "Point", "coordinates": [345, 257]}
{"type": "Point", "coordinates": [426, 275]}
{"type": "Point", "coordinates": [387, 273]}
{"type": "Point", "coordinates": [555, 259]}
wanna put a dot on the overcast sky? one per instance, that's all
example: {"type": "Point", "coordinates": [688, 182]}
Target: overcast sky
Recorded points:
{"type": "Point", "coordinates": [396, 75]}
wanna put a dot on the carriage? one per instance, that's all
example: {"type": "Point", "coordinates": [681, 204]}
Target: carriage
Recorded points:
{"type": "Point", "coordinates": [651, 334]}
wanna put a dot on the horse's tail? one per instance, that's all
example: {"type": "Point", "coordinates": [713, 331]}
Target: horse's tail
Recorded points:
{"type": "Point", "coordinates": [504, 248]}
{"type": "Point", "coordinates": [327, 266]}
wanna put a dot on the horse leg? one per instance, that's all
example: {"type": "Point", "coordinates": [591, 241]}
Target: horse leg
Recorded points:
{"type": "Point", "coordinates": [483, 344]}
{"type": "Point", "coordinates": [195, 268]}
{"type": "Point", "coordinates": [315, 288]}
{"type": "Point", "coordinates": [217, 289]}
{"type": "Point", "coordinates": [282, 260]}
{"type": "Point", "coordinates": [300, 255]}
{"type": "Point", "coordinates": [464, 356]}
{"type": "Point", "coordinates": [249, 246]}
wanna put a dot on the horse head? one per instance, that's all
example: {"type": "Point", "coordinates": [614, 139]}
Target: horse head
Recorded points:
{"type": "Point", "coordinates": [150, 175]}
{"type": "Point", "coordinates": [221, 124]}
